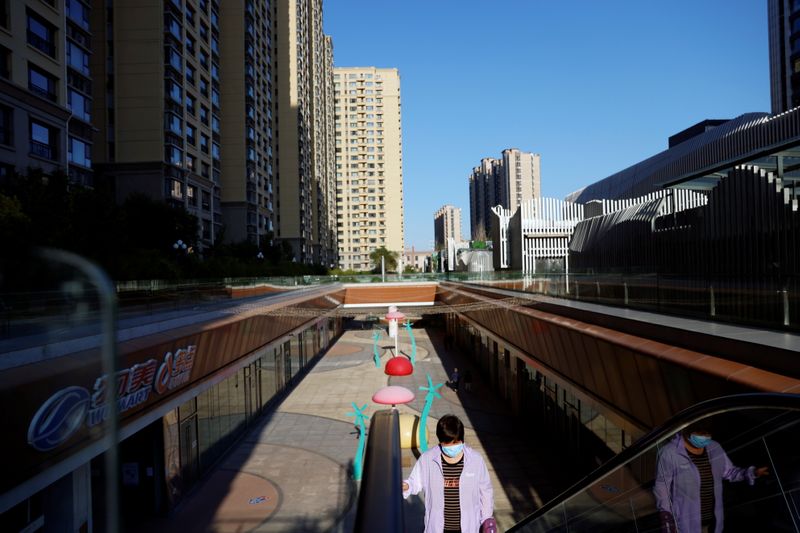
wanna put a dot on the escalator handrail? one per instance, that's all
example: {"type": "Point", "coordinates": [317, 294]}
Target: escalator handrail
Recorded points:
{"type": "Point", "coordinates": [380, 501]}
{"type": "Point", "coordinates": [660, 433]}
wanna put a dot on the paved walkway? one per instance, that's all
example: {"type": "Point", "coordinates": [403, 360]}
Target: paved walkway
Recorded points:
{"type": "Point", "coordinates": [290, 473]}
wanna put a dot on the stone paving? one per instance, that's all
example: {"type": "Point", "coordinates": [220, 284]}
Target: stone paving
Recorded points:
{"type": "Point", "coordinates": [292, 470]}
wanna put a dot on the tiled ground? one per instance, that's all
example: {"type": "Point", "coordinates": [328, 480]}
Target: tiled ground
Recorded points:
{"type": "Point", "coordinates": [304, 449]}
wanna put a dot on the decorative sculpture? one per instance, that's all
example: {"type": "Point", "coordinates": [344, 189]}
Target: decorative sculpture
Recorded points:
{"type": "Point", "coordinates": [376, 335]}
{"type": "Point", "coordinates": [393, 317]}
{"type": "Point", "coordinates": [407, 325]}
{"type": "Point", "coordinates": [423, 419]}
{"type": "Point", "coordinates": [358, 462]}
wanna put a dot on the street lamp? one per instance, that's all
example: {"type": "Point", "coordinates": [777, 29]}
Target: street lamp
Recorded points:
{"type": "Point", "coordinates": [180, 245]}
{"type": "Point", "coordinates": [259, 255]}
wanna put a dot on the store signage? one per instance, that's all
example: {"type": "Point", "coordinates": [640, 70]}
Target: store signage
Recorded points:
{"type": "Point", "coordinates": [71, 408]}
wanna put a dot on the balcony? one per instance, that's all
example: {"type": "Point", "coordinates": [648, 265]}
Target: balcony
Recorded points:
{"type": "Point", "coordinates": [42, 150]}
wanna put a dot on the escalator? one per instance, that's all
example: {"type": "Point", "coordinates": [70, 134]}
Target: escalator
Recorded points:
{"type": "Point", "coordinates": [754, 429]}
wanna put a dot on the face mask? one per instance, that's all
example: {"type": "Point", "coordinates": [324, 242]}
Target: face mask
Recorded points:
{"type": "Point", "coordinates": [699, 441]}
{"type": "Point", "coordinates": [452, 451]}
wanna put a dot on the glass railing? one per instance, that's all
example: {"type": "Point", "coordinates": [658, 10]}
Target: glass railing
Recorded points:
{"type": "Point", "coordinates": [655, 484]}
{"type": "Point", "coordinates": [767, 302]}
{"type": "Point", "coordinates": [61, 439]}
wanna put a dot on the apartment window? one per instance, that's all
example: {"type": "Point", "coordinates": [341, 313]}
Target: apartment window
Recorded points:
{"type": "Point", "coordinates": [4, 14]}
{"type": "Point", "coordinates": [174, 27]}
{"type": "Point", "coordinates": [191, 162]}
{"type": "Point", "coordinates": [41, 83]}
{"type": "Point", "coordinates": [214, 19]}
{"type": "Point", "coordinates": [215, 97]}
{"type": "Point", "coordinates": [203, 114]}
{"type": "Point", "coordinates": [175, 91]}
{"type": "Point", "coordinates": [80, 153]}
{"type": "Point", "coordinates": [204, 169]}
{"type": "Point", "coordinates": [215, 150]}
{"type": "Point", "coordinates": [206, 197]}
{"type": "Point", "coordinates": [191, 195]}
{"type": "Point", "coordinates": [204, 143]}
{"type": "Point", "coordinates": [190, 74]}
{"type": "Point", "coordinates": [190, 44]}
{"type": "Point", "coordinates": [43, 139]}
{"type": "Point", "coordinates": [203, 59]}
{"type": "Point", "coordinates": [190, 103]}
{"type": "Point", "coordinates": [191, 136]}
{"type": "Point", "coordinates": [189, 15]}
{"type": "Point", "coordinates": [6, 125]}
{"type": "Point", "coordinates": [203, 86]}
{"type": "Point", "coordinates": [5, 62]}
{"type": "Point", "coordinates": [41, 34]}
{"type": "Point", "coordinates": [173, 155]}
{"type": "Point", "coordinates": [215, 124]}
{"type": "Point", "coordinates": [77, 58]}
{"type": "Point", "coordinates": [204, 32]}
{"type": "Point", "coordinates": [79, 105]}
{"type": "Point", "coordinates": [214, 71]}
{"type": "Point", "coordinates": [176, 189]}
{"type": "Point", "coordinates": [175, 60]}
{"type": "Point", "coordinates": [78, 13]}
{"type": "Point", "coordinates": [173, 123]}
{"type": "Point", "coordinates": [215, 45]}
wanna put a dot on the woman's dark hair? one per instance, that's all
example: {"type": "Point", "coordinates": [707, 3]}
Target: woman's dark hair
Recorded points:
{"type": "Point", "coordinates": [704, 426]}
{"type": "Point", "coordinates": [450, 428]}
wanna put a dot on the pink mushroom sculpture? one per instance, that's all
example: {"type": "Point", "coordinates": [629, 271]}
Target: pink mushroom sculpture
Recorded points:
{"type": "Point", "coordinates": [393, 395]}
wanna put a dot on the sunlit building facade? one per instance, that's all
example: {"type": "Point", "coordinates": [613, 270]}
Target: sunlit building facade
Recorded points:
{"type": "Point", "coordinates": [369, 163]}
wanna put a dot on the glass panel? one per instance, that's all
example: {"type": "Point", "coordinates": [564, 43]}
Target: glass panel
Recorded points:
{"type": "Point", "coordinates": [204, 436]}
{"type": "Point", "coordinates": [753, 451]}
{"type": "Point", "coordinates": [79, 105]}
{"type": "Point", "coordinates": [267, 377]}
{"type": "Point", "coordinates": [80, 153]}
{"type": "Point", "coordinates": [224, 409]}
{"type": "Point", "coordinates": [237, 392]}
{"type": "Point", "coordinates": [78, 13]}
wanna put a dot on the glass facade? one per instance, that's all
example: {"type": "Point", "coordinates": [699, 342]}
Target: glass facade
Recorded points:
{"type": "Point", "coordinates": [554, 410]}
{"type": "Point", "coordinates": [220, 414]}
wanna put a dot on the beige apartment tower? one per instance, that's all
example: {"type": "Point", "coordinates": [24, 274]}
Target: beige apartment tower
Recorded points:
{"type": "Point", "coordinates": [369, 163]}
{"type": "Point", "coordinates": [507, 181]}
{"type": "Point", "coordinates": [446, 225]}
{"type": "Point", "coordinates": [521, 177]}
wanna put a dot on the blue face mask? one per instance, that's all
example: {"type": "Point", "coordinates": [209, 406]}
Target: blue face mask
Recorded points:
{"type": "Point", "coordinates": [452, 451]}
{"type": "Point", "coordinates": [699, 441]}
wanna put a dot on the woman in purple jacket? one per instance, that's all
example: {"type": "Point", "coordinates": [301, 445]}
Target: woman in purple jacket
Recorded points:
{"type": "Point", "coordinates": [688, 487]}
{"type": "Point", "coordinates": [458, 492]}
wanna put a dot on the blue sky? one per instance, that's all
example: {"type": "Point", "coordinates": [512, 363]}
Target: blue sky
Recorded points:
{"type": "Point", "coordinates": [593, 86]}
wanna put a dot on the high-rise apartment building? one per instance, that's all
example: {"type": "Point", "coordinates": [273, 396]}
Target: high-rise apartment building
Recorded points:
{"type": "Point", "coordinates": [446, 225]}
{"type": "Point", "coordinates": [158, 102]}
{"type": "Point", "coordinates": [46, 87]}
{"type": "Point", "coordinates": [508, 181]}
{"type": "Point", "coordinates": [304, 63]}
{"type": "Point", "coordinates": [784, 54]}
{"type": "Point", "coordinates": [483, 195]}
{"type": "Point", "coordinates": [247, 137]}
{"type": "Point", "coordinates": [521, 177]}
{"type": "Point", "coordinates": [369, 163]}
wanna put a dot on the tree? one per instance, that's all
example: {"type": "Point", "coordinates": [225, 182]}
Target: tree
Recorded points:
{"type": "Point", "coordinates": [390, 259]}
